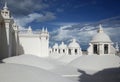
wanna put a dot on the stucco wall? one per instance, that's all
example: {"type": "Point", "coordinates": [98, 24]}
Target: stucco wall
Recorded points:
{"type": "Point", "coordinates": [31, 45]}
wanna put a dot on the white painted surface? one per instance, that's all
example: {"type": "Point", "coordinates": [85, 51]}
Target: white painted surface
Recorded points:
{"type": "Point", "coordinates": [101, 39]}
{"type": "Point", "coordinates": [31, 45]}
{"type": "Point", "coordinates": [35, 44]}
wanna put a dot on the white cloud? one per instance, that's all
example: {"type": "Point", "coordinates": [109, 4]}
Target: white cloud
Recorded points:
{"type": "Point", "coordinates": [47, 17]}
{"type": "Point", "coordinates": [62, 34]}
{"type": "Point", "coordinates": [22, 21]}
{"type": "Point", "coordinates": [59, 10]}
{"type": "Point", "coordinates": [65, 33]}
{"type": "Point", "coordinates": [64, 23]}
{"type": "Point", "coordinates": [25, 7]}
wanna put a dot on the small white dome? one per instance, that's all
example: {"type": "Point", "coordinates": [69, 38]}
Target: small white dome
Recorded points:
{"type": "Point", "coordinates": [74, 44]}
{"type": "Point", "coordinates": [55, 46]}
{"type": "Point", "coordinates": [101, 36]}
{"type": "Point", "coordinates": [62, 45]}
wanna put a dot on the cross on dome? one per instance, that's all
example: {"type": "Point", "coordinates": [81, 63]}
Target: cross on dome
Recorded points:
{"type": "Point", "coordinates": [74, 40]}
{"type": "Point", "coordinates": [100, 30]}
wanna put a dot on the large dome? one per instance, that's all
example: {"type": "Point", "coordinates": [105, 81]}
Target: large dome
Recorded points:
{"type": "Point", "coordinates": [101, 36]}
{"type": "Point", "coordinates": [74, 44]}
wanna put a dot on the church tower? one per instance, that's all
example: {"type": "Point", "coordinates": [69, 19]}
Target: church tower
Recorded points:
{"type": "Point", "coordinates": [44, 38]}
{"type": "Point", "coordinates": [7, 29]}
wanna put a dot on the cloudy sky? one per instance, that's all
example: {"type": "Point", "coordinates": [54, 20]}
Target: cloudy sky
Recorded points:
{"type": "Point", "coordinates": [60, 16]}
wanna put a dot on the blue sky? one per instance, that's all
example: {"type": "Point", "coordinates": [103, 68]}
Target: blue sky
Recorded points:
{"type": "Point", "coordinates": [59, 14]}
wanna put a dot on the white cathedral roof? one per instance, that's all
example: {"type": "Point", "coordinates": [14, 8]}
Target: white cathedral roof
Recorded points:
{"type": "Point", "coordinates": [101, 36]}
{"type": "Point", "coordinates": [74, 44]}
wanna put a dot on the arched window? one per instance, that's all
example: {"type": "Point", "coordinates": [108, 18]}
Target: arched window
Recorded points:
{"type": "Point", "coordinates": [55, 50]}
{"type": "Point", "coordinates": [106, 49]}
{"type": "Point", "coordinates": [76, 51]}
{"type": "Point", "coordinates": [95, 49]}
{"type": "Point", "coordinates": [59, 50]}
{"type": "Point", "coordinates": [63, 50]}
{"type": "Point", "coordinates": [69, 51]}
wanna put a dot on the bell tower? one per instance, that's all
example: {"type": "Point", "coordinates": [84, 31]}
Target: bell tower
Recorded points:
{"type": "Point", "coordinates": [44, 38]}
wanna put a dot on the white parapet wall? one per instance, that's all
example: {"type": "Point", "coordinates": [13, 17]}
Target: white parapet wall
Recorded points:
{"type": "Point", "coordinates": [31, 43]}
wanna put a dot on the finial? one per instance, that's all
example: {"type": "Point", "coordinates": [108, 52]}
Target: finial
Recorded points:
{"type": "Point", "coordinates": [62, 42]}
{"type": "Point", "coordinates": [29, 28]}
{"type": "Point", "coordinates": [56, 44]}
{"type": "Point", "coordinates": [46, 30]}
{"type": "Point", "coordinates": [100, 29]}
{"type": "Point", "coordinates": [43, 30]}
{"type": "Point", "coordinates": [5, 6]}
{"type": "Point", "coordinates": [74, 40]}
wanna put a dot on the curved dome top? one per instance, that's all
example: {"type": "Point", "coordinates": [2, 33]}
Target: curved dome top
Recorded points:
{"type": "Point", "coordinates": [101, 36]}
{"type": "Point", "coordinates": [62, 45]}
{"type": "Point", "coordinates": [74, 44]}
{"type": "Point", "coordinates": [55, 46]}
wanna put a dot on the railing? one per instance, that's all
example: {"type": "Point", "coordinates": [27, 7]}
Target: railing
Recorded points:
{"type": "Point", "coordinates": [28, 32]}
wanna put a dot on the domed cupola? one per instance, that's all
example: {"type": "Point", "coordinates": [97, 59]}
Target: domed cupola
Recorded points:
{"type": "Point", "coordinates": [101, 44]}
{"type": "Point", "coordinates": [101, 36]}
{"type": "Point", "coordinates": [74, 48]}
{"type": "Point", "coordinates": [62, 46]}
{"type": "Point", "coordinates": [74, 44]}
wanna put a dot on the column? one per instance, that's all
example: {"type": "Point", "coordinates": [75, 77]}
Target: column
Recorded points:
{"type": "Point", "coordinates": [109, 49]}
{"type": "Point", "coordinates": [100, 49]}
{"type": "Point", "coordinates": [8, 38]}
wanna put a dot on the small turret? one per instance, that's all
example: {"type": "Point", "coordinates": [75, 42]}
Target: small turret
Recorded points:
{"type": "Point", "coordinates": [44, 33]}
{"type": "Point", "coordinates": [43, 30]}
{"type": "Point", "coordinates": [44, 39]}
{"type": "Point", "coordinates": [46, 30]}
{"type": "Point", "coordinates": [5, 12]}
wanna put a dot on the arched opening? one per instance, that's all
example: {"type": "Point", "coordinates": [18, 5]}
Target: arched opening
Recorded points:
{"type": "Point", "coordinates": [69, 51]}
{"type": "Point", "coordinates": [55, 50]}
{"type": "Point", "coordinates": [76, 51]}
{"type": "Point", "coordinates": [59, 51]}
{"type": "Point", "coordinates": [63, 50]}
{"type": "Point", "coordinates": [95, 49]}
{"type": "Point", "coordinates": [106, 49]}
